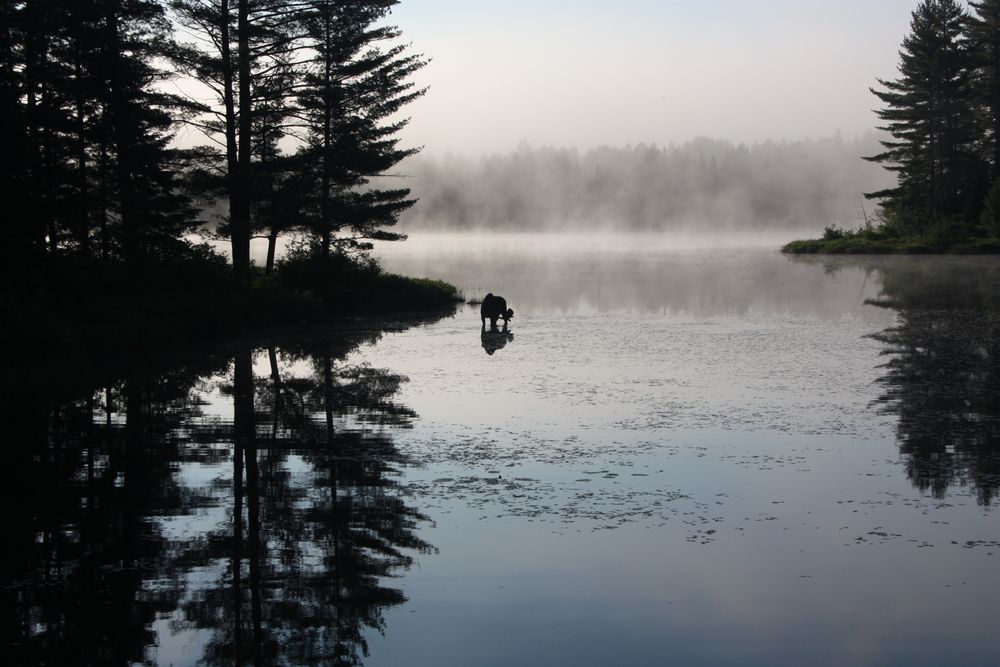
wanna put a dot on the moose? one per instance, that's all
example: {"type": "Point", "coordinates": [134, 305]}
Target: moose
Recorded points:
{"type": "Point", "coordinates": [495, 308]}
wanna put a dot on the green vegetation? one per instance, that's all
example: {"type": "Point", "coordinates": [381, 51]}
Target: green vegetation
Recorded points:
{"type": "Point", "coordinates": [881, 241]}
{"type": "Point", "coordinates": [943, 116]}
{"type": "Point", "coordinates": [297, 102]}
{"type": "Point", "coordinates": [72, 303]}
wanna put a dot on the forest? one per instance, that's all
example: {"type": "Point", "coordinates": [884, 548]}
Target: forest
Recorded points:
{"type": "Point", "coordinates": [296, 104]}
{"type": "Point", "coordinates": [942, 116]}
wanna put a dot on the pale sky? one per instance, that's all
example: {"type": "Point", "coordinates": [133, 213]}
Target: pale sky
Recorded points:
{"type": "Point", "coordinates": [590, 72]}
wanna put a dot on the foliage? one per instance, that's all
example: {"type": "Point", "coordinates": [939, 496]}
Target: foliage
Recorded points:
{"type": "Point", "coordinates": [989, 220]}
{"type": "Point", "coordinates": [984, 39]}
{"type": "Point", "coordinates": [943, 114]}
{"type": "Point", "coordinates": [348, 94]}
{"type": "Point", "coordinates": [348, 282]}
{"type": "Point", "coordinates": [89, 126]}
{"type": "Point", "coordinates": [929, 114]}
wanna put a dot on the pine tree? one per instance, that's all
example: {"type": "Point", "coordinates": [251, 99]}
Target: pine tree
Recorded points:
{"type": "Point", "coordinates": [352, 90]}
{"type": "Point", "coordinates": [984, 36]}
{"type": "Point", "coordinates": [138, 127]}
{"type": "Point", "coordinates": [929, 114]}
{"type": "Point", "coordinates": [243, 56]}
{"type": "Point", "coordinates": [92, 127]}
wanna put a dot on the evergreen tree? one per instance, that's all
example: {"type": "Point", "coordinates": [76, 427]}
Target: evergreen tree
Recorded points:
{"type": "Point", "coordinates": [13, 140]}
{"type": "Point", "coordinates": [984, 36]}
{"type": "Point", "coordinates": [90, 125]}
{"type": "Point", "coordinates": [243, 55]}
{"type": "Point", "coordinates": [350, 93]}
{"type": "Point", "coordinates": [139, 119]}
{"type": "Point", "coordinates": [929, 114]}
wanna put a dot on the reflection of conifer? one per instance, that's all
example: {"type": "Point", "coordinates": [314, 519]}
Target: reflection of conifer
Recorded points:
{"type": "Point", "coordinates": [296, 570]}
{"type": "Point", "coordinates": [302, 572]}
{"type": "Point", "coordinates": [943, 378]}
{"type": "Point", "coordinates": [88, 567]}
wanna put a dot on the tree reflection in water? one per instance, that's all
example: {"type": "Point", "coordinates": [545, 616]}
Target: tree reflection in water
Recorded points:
{"type": "Point", "coordinates": [281, 557]}
{"type": "Point", "coordinates": [943, 375]}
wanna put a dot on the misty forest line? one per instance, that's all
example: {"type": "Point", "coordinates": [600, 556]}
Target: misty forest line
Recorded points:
{"type": "Point", "coordinates": [704, 184]}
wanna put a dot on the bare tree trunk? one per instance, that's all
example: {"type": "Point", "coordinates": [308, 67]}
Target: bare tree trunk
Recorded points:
{"type": "Point", "coordinates": [272, 356]}
{"type": "Point", "coordinates": [327, 130]}
{"type": "Point", "coordinates": [272, 242]}
{"type": "Point", "coordinates": [83, 222]}
{"type": "Point", "coordinates": [102, 189]}
{"type": "Point", "coordinates": [120, 138]}
{"type": "Point", "coordinates": [239, 206]}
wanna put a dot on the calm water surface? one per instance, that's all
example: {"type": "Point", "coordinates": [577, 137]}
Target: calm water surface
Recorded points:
{"type": "Point", "coordinates": [676, 456]}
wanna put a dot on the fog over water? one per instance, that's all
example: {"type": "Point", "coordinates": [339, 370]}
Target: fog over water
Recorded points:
{"type": "Point", "coordinates": [700, 185]}
{"type": "Point", "coordinates": [698, 274]}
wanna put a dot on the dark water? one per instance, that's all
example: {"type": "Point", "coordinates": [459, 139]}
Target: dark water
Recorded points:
{"type": "Point", "coordinates": [678, 457]}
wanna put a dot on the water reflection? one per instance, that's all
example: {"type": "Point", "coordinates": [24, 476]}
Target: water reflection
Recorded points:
{"type": "Point", "coordinates": [495, 340]}
{"type": "Point", "coordinates": [583, 274]}
{"type": "Point", "coordinates": [942, 376]}
{"type": "Point", "coordinates": [253, 514]}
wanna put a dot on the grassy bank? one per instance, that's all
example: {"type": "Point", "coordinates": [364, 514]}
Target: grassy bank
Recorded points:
{"type": "Point", "coordinates": [71, 303]}
{"type": "Point", "coordinates": [872, 242]}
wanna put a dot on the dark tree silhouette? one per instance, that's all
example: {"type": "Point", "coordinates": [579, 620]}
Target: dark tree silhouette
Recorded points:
{"type": "Point", "coordinates": [243, 52]}
{"type": "Point", "coordinates": [984, 38]}
{"type": "Point", "coordinates": [296, 571]}
{"type": "Point", "coordinates": [91, 124]}
{"type": "Point", "coordinates": [930, 114]}
{"type": "Point", "coordinates": [350, 91]}
{"type": "Point", "coordinates": [87, 566]}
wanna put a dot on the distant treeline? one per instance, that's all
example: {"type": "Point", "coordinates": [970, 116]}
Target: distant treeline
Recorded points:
{"type": "Point", "coordinates": [701, 184]}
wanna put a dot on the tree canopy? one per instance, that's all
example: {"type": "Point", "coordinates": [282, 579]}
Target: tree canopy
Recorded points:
{"type": "Point", "coordinates": [298, 102]}
{"type": "Point", "coordinates": [943, 115]}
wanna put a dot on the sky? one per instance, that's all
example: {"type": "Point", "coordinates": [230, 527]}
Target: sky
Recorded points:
{"type": "Point", "coordinates": [590, 72]}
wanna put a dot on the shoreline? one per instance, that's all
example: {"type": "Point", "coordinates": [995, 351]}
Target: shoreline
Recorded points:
{"type": "Point", "coordinates": [859, 245]}
{"type": "Point", "coordinates": [74, 307]}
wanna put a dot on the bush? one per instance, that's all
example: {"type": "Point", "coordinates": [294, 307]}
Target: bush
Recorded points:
{"type": "Point", "coordinates": [355, 283]}
{"type": "Point", "coordinates": [989, 219]}
{"type": "Point", "coordinates": [833, 232]}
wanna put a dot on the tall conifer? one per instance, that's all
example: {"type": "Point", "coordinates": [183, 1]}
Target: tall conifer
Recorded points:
{"type": "Point", "coordinates": [929, 113]}
{"type": "Point", "coordinates": [357, 83]}
{"type": "Point", "coordinates": [984, 37]}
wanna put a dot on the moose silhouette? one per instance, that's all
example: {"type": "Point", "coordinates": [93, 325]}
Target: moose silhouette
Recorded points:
{"type": "Point", "coordinates": [495, 308]}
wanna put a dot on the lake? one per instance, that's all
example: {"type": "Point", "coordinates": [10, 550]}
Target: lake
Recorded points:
{"type": "Point", "coordinates": [681, 452]}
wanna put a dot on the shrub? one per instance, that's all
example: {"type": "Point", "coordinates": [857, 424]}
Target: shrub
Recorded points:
{"type": "Point", "coordinates": [989, 219]}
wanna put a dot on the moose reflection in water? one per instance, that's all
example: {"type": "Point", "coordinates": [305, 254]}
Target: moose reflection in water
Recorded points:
{"type": "Point", "coordinates": [495, 340]}
{"type": "Point", "coordinates": [942, 376]}
{"type": "Point", "coordinates": [149, 521]}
